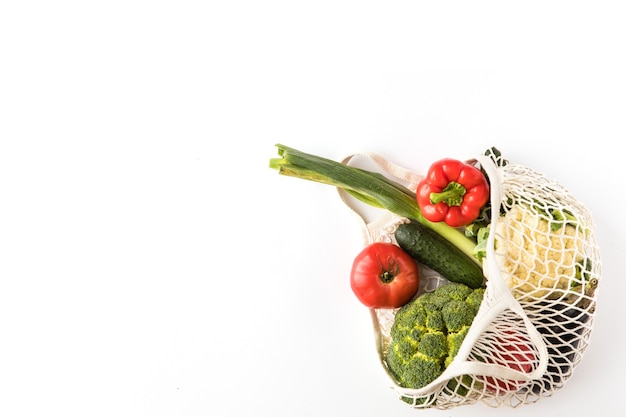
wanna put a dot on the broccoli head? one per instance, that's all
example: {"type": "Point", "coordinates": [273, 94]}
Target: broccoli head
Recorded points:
{"type": "Point", "coordinates": [428, 331]}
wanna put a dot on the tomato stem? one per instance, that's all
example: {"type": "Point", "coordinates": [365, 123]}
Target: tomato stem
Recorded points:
{"type": "Point", "coordinates": [388, 271]}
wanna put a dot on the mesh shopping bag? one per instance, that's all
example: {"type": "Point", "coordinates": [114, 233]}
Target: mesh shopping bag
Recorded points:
{"type": "Point", "coordinates": [533, 326]}
{"type": "Point", "coordinates": [542, 267]}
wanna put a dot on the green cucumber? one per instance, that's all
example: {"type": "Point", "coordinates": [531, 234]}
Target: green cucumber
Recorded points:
{"type": "Point", "coordinates": [436, 252]}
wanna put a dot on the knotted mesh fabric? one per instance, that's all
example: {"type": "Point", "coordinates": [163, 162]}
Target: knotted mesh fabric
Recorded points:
{"type": "Point", "coordinates": [533, 326]}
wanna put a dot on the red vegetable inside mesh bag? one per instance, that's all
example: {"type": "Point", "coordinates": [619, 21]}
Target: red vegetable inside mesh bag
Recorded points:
{"type": "Point", "coordinates": [512, 350]}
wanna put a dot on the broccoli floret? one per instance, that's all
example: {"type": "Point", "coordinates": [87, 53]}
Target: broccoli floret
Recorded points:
{"type": "Point", "coordinates": [420, 370]}
{"type": "Point", "coordinates": [454, 291]}
{"type": "Point", "coordinates": [435, 320]}
{"type": "Point", "coordinates": [475, 298]}
{"type": "Point", "coordinates": [428, 331]}
{"type": "Point", "coordinates": [434, 345]}
{"type": "Point", "coordinates": [455, 339]}
{"type": "Point", "coordinates": [457, 314]}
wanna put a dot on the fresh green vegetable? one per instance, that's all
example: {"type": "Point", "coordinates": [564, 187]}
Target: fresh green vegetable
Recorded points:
{"type": "Point", "coordinates": [369, 187]}
{"type": "Point", "coordinates": [437, 253]}
{"type": "Point", "coordinates": [427, 333]}
{"type": "Point", "coordinates": [482, 236]}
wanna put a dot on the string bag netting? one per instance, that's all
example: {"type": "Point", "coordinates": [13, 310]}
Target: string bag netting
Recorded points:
{"type": "Point", "coordinates": [534, 323]}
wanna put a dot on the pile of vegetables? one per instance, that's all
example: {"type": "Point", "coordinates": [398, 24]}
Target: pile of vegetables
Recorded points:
{"type": "Point", "coordinates": [446, 226]}
{"type": "Point", "coordinates": [430, 327]}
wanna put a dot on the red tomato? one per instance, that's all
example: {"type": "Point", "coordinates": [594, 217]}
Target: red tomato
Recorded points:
{"type": "Point", "coordinates": [384, 276]}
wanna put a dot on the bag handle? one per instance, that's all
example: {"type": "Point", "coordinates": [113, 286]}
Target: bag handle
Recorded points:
{"type": "Point", "coordinates": [499, 292]}
{"type": "Point", "coordinates": [371, 229]}
{"type": "Point", "coordinates": [498, 298]}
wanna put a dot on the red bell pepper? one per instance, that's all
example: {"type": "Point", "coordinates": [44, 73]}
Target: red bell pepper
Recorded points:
{"type": "Point", "coordinates": [452, 191]}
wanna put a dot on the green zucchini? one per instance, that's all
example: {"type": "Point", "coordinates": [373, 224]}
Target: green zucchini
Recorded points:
{"type": "Point", "coordinates": [436, 252]}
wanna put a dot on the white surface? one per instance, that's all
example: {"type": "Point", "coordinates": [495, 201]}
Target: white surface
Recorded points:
{"type": "Point", "coordinates": [152, 265]}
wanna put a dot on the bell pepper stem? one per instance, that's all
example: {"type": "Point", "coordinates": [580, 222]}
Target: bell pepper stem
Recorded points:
{"type": "Point", "coordinates": [452, 195]}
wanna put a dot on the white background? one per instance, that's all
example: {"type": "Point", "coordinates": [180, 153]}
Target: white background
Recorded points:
{"type": "Point", "coordinates": [151, 264]}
